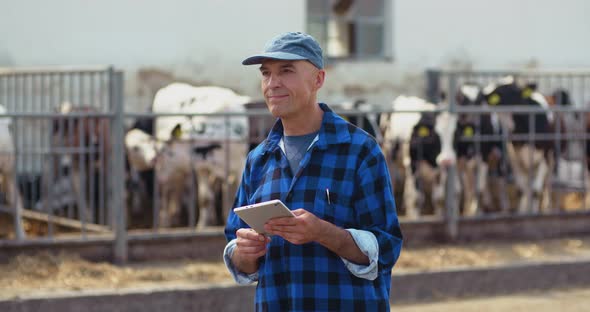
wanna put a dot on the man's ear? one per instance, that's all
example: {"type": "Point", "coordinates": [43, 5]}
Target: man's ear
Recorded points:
{"type": "Point", "coordinates": [320, 78]}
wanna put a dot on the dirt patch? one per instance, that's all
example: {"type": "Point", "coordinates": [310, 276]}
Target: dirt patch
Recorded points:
{"type": "Point", "coordinates": [486, 254]}
{"type": "Point", "coordinates": [46, 272]}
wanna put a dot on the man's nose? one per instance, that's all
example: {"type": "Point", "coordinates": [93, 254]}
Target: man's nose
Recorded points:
{"type": "Point", "coordinates": [274, 81]}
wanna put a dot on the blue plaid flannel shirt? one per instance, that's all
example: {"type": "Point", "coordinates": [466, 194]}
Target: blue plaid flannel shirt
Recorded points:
{"type": "Point", "coordinates": [309, 277]}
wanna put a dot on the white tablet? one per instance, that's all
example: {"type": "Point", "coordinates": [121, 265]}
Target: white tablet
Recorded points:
{"type": "Point", "coordinates": [256, 215]}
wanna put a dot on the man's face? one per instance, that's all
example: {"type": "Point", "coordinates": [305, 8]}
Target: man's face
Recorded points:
{"type": "Point", "coordinates": [290, 87]}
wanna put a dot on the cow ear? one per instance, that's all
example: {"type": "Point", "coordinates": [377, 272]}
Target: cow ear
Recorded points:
{"type": "Point", "coordinates": [176, 132]}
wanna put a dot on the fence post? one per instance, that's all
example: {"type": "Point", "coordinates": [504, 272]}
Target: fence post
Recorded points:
{"type": "Point", "coordinates": [451, 216]}
{"type": "Point", "coordinates": [118, 167]}
{"type": "Point", "coordinates": [433, 85]}
{"type": "Point", "coordinates": [15, 197]}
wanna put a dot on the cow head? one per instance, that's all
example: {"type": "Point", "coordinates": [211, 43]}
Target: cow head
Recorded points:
{"type": "Point", "coordinates": [142, 149]}
{"type": "Point", "coordinates": [469, 95]}
{"type": "Point", "coordinates": [425, 142]}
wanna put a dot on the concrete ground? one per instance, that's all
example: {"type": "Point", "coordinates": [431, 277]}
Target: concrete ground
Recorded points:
{"type": "Point", "coordinates": [564, 300]}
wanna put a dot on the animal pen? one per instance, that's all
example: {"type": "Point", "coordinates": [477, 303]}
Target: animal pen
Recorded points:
{"type": "Point", "coordinates": [68, 178]}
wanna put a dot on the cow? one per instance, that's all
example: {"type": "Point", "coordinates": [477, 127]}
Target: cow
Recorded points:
{"type": "Point", "coordinates": [418, 149]}
{"type": "Point", "coordinates": [75, 175]}
{"type": "Point", "coordinates": [163, 167]}
{"type": "Point", "coordinates": [480, 165]}
{"type": "Point", "coordinates": [527, 158]}
{"type": "Point", "coordinates": [140, 150]}
{"type": "Point", "coordinates": [8, 188]}
{"type": "Point", "coordinates": [191, 152]}
{"type": "Point", "coordinates": [219, 143]}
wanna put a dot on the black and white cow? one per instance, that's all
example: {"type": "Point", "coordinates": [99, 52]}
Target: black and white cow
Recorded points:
{"type": "Point", "coordinates": [531, 161]}
{"type": "Point", "coordinates": [480, 165]}
{"type": "Point", "coordinates": [418, 148]}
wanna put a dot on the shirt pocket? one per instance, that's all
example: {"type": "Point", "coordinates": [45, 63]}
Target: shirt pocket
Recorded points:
{"type": "Point", "coordinates": [334, 205]}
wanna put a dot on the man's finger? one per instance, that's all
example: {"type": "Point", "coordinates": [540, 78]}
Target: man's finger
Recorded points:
{"type": "Point", "coordinates": [251, 234]}
{"type": "Point", "coordinates": [299, 212]}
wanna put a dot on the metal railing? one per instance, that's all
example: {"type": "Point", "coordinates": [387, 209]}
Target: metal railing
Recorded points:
{"type": "Point", "coordinates": [63, 120]}
{"type": "Point", "coordinates": [40, 132]}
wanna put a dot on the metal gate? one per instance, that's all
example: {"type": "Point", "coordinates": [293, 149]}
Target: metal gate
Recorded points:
{"type": "Point", "coordinates": [63, 149]}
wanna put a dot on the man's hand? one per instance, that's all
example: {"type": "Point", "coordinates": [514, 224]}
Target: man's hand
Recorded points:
{"type": "Point", "coordinates": [249, 247]}
{"type": "Point", "coordinates": [304, 228]}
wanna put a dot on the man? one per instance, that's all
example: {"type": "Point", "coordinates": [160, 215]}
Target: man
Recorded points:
{"type": "Point", "coordinates": [337, 253]}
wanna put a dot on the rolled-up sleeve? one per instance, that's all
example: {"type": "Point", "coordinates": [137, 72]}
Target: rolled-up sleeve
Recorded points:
{"type": "Point", "coordinates": [367, 243]}
{"type": "Point", "coordinates": [239, 277]}
{"type": "Point", "coordinates": [375, 207]}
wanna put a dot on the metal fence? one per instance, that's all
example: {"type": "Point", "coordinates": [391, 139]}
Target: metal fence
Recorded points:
{"type": "Point", "coordinates": [569, 174]}
{"type": "Point", "coordinates": [63, 149]}
{"type": "Point", "coordinates": [52, 138]}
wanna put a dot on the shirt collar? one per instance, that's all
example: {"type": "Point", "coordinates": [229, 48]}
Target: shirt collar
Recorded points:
{"type": "Point", "coordinates": [334, 130]}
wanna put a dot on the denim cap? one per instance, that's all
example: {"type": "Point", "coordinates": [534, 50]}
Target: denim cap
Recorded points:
{"type": "Point", "coordinates": [290, 46]}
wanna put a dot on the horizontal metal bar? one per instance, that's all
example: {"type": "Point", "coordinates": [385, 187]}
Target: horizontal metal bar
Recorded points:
{"type": "Point", "coordinates": [526, 136]}
{"type": "Point", "coordinates": [56, 115]}
{"type": "Point", "coordinates": [262, 112]}
{"type": "Point", "coordinates": [256, 112]}
{"type": "Point", "coordinates": [55, 151]}
{"type": "Point", "coordinates": [540, 72]}
{"type": "Point", "coordinates": [54, 70]}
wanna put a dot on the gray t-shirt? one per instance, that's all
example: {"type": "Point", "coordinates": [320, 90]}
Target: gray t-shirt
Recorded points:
{"type": "Point", "coordinates": [295, 148]}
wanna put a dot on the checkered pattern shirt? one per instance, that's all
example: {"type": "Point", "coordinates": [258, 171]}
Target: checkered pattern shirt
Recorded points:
{"type": "Point", "coordinates": [309, 277]}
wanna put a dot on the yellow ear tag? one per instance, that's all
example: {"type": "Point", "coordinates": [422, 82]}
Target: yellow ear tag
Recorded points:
{"type": "Point", "coordinates": [526, 93]}
{"type": "Point", "coordinates": [423, 132]}
{"type": "Point", "coordinates": [177, 132]}
{"type": "Point", "coordinates": [494, 99]}
{"type": "Point", "coordinates": [468, 132]}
